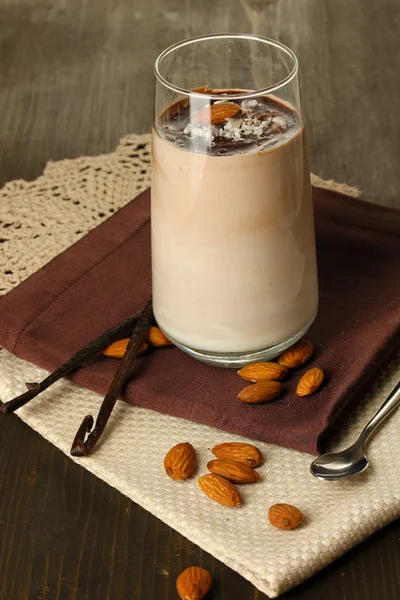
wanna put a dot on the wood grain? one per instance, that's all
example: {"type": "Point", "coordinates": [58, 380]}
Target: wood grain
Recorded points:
{"type": "Point", "coordinates": [75, 76]}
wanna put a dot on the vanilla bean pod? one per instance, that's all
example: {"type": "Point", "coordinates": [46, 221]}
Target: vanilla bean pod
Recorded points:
{"type": "Point", "coordinates": [80, 447]}
{"type": "Point", "coordinates": [77, 360]}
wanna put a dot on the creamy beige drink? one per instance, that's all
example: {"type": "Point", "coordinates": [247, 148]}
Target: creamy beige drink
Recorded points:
{"type": "Point", "coordinates": [234, 268]}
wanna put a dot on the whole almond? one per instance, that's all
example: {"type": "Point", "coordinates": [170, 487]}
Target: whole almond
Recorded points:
{"type": "Point", "coordinates": [263, 371]}
{"type": "Point", "coordinates": [297, 355]}
{"type": "Point", "coordinates": [310, 382]}
{"type": "Point", "coordinates": [284, 516]}
{"type": "Point", "coordinates": [216, 113]}
{"type": "Point", "coordinates": [239, 452]}
{"type": "Point", "coordinates": [234, 471]}
{"type": "Point", "coordinates": [156, 337]}
{"type": "Point", "coordinates": [203, 89]}
{"type": "Point", "coordinates": [220, 489]}
{"type": "Point", "coordinates": [118, 348]}
{"type": "Point", "coordinates": [265, 391]}
{"type": "Point", "coordinates": [180, 461]}
{"type": "Point", "coordinates": [193, 583]}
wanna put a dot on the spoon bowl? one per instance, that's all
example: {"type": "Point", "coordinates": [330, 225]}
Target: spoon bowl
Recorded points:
{"type": "Point", "coordinates": [340, 465]}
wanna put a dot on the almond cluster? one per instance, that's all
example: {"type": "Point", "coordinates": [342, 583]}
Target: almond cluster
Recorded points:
{"type": "Point", "coordinates": [235, 463]}
{"type": "Point", "coordinates": [155, 338]}
{"type": "Point", "coordinates": [266, 377]}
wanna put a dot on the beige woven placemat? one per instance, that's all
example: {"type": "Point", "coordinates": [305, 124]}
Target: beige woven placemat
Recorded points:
{"type": "Point", "coordinates": [41, 218]}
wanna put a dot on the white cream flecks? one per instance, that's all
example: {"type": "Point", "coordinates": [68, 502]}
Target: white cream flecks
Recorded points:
{"type": "Point", "coordinates": [250, 123]}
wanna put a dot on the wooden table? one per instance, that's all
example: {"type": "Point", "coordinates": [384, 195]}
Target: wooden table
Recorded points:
{"type": "Point", "coordinates": [76, 75]}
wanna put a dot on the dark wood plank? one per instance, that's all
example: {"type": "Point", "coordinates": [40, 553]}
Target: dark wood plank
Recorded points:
{"type": "Point", "coordinates": [76, 76]}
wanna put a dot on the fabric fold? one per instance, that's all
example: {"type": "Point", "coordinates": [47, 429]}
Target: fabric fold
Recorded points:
{"type": "Point", "coordinates": [106, 276]}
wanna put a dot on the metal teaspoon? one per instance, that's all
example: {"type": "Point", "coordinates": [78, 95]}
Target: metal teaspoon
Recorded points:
{"type": "Point", "coordinates": [353, 461]}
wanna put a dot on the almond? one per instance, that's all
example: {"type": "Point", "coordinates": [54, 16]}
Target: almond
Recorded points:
{"type": "Point", "coordinates": [310, 382]}
{"type": "Point", "coordinates": [193, 583]}
{"type": "Point", "coordinates": [263, 371]}
{"type": "Point", "coordinates": [234, 471]}
{"type": "Point", "coordinates": [216, 113]}
{"type": "Point", "coordinates": [239, 452]}
{"type": "Point", "coordinates": [118, 348]}
{"type": "Point", "coordinates": [297, 355]}
{"type": "Point", "coordinates": [220, 489]}
{"type": "Point", "coordinates": [180, 461]}
{"type": "Point", "coordinates": [156, 337]}
{"type": "Point", "coordinates": [284, 516]}
{"type": "Point", "coordinates": [265, 391]}
{"type": "Point", "coordinates": [202, 89]}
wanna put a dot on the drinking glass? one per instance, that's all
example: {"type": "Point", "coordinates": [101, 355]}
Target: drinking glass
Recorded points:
{"type": "Point", "coordinates": [233, 246]}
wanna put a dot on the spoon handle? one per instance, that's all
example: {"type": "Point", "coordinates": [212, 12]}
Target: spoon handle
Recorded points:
{"type": "Point", "coordinates": [390, 404]}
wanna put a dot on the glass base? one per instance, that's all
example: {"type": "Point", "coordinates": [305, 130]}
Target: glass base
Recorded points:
{"type": "Point", "coordinates": [240, 359]}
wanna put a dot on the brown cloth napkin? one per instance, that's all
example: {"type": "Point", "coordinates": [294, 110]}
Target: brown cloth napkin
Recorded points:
{"type": "Point", "coordinates": [106, 276]}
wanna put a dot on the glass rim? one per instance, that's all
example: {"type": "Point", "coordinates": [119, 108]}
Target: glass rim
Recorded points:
{"type": "Point", "coordinates": [245, 36]}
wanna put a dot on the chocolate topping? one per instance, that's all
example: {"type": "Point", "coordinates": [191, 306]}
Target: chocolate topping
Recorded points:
{"type": "Point", "coordinates": [261, 122]}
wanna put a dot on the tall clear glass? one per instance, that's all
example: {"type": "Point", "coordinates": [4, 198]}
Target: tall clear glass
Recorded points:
{"type": "Point", "coordinates": [233, 250]}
